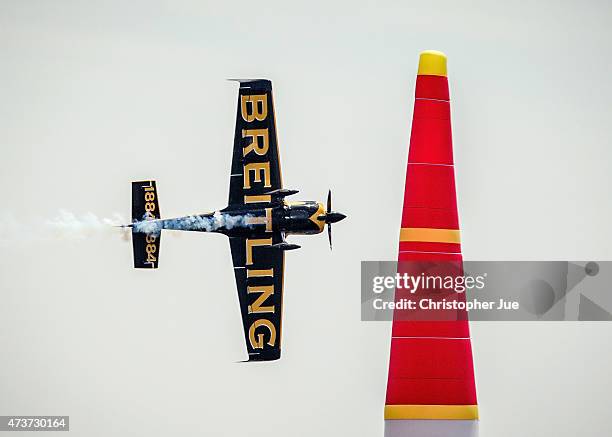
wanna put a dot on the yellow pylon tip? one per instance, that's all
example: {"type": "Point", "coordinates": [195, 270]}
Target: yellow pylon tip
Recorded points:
{"type": "Point", "coordinates": [432, 63]}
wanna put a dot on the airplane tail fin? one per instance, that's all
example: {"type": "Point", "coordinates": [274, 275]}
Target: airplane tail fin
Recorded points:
{"type": "Point", "coordinates": [145, 206]}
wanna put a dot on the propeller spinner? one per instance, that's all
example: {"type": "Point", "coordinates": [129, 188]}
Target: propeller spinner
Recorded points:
{"type": "Point", "coordinates": [330, 217]}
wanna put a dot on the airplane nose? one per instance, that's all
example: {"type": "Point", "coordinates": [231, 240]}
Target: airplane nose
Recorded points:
{"type": "Point", "coordinates": [334, 217]}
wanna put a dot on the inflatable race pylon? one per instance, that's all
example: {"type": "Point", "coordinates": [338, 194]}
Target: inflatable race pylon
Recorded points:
{"type": "Point", "coordinates": [431, 389]}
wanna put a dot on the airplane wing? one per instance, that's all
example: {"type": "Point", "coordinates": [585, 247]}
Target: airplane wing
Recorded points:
{"type": "Point", "coordinates": [259, 273]}
{"type": "Point", "coordinates": [255, 161]}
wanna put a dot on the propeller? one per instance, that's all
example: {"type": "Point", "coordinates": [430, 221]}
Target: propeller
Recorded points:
{"type": "Point", "coordinates": [329, 224]}
{"type": "Point", "coordinates": [330, 217]}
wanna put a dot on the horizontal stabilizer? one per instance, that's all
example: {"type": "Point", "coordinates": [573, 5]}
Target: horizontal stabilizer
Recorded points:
{"type": "Point", "coordinates": [145, 206]}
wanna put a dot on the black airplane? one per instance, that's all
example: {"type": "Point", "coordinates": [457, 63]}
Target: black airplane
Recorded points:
{"type": "Point", "coordinates": [257, 220]}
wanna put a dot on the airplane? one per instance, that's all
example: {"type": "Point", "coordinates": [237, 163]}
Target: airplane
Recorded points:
{"type": "Point", "coordinates": [257, 220]}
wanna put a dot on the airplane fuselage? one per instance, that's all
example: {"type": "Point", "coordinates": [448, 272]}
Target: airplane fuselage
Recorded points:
{"type": "Point", "coordinates": [301, 217]}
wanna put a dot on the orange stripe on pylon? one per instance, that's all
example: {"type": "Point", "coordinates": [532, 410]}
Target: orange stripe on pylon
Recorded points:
{"type": "Point", "coordinates": [431, 235]}
{"type": "Point", "coordinates": [431, 412]}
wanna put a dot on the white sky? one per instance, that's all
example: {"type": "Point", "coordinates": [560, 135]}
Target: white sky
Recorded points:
{"type": "Point", "coordinates": [95, 95]}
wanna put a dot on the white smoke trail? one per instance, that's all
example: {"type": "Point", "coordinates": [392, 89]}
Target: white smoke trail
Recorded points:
{"type": "Point", "coordinates": [198, 223]}
{"type": "Point", "coordinates": [65, 225]}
